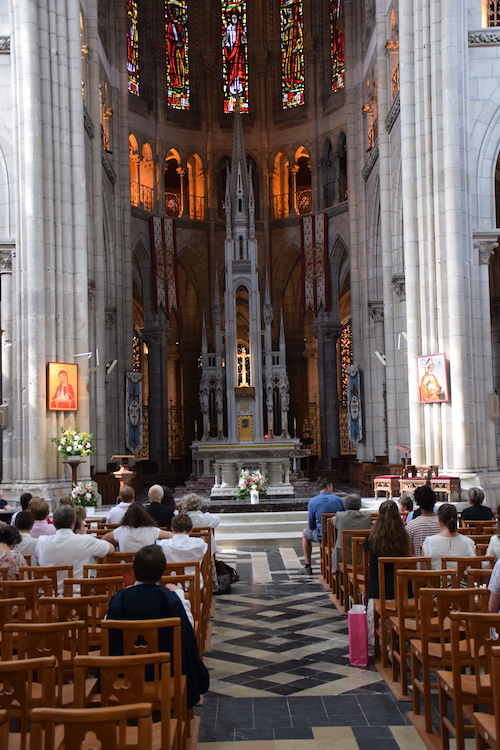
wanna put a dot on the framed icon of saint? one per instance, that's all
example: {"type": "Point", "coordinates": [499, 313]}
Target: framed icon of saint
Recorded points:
{"type": "Point", "coordinates": [433, 379]}
{"type": "Point", "coordinates": [62, 386]}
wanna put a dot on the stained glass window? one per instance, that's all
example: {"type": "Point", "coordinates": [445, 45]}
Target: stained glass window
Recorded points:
{"type": "Point", "coordinates": [234, 54]}
{"type": "Point", "coordinates": [133, 48]}
{"type": "Point", "coordinates": [292, 53]}
{"type": "Point", "coordinates": [337, 47]}
{"type": "Point", "coordinates": [177, 59]}
{"type": "Point", "coordinates": [345, 357]}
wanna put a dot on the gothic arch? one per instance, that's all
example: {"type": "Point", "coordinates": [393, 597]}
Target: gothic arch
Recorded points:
{"type": "Point", "coordinates": [485, 143]}
{"type": "Point", "coordinates": [5, 221]}
{"type": "Point", "coordinates": [281, 185]}
{"type": "Point", "coordinates": [196, 187]}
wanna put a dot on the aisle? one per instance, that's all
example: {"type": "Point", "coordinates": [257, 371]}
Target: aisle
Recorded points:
{"type": "Point", "coordinates": [280, 672]}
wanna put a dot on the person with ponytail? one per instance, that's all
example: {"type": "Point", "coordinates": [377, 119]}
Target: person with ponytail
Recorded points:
{"type": "Point", "coordinates": [448, 543]}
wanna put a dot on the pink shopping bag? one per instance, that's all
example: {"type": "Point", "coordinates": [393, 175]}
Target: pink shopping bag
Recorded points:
{"type": "Point", "coordinates": [358, 635]}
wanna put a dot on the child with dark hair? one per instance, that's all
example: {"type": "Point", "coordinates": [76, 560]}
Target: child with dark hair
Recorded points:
{"type": "Point", "coordinates": [24, 523]}
{"type": "Point", "coordinates": [9, 538]}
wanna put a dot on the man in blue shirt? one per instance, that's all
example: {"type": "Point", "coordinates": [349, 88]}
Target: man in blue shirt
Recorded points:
{"type": "Point", "coordinates": [325, 502]}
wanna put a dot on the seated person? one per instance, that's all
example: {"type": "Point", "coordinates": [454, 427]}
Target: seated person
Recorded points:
{"type": "Point", "coordinates": [426, 524]}
{"type": "Point", "coordinates": [24, 524]}
{"type": "Point", "coordinates": [406, 508]}
{"type": "Point", "coordinates": [9, 556]}
{"type": "Point", "coordinates": [40, 510]}
{"type": "Point", "coordinates": [494, 543]}
{"type": "Point", "coordinates": [182, 547]}
{"type": "Point", "coordinates": [126, 496]}
{"type": "Point", "coordinates": [325, 502]}
{"type": "Point", "coordinates": [448, 543]}
{"type": "Point", "coordinates": [192, 505]}
{"type": "Point", "coordinates": [80, 522]}
{"type": "Point", "coordinates": [66, 548]}
{"type": "Point", "coordinates": [137, 529]}
{"type": "Point", "coordinates": [147, 600]}
{"type": "Point", "coordinates": [476, 510]}
{"type": "Point", "coordinates": [352, 518]}
{"type": "Point", "coordinates": [4, 504]}
{"type": "Point", "coordinates": [24, 501]}
{"type": "Point", "coordinates": [161, 513]}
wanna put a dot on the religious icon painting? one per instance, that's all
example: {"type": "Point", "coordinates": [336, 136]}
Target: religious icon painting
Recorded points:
{"type": "Point", "coordinates": [62, 386]}
{"type": "Point", "coordinates": [354, 404]}
{"type": "Point", "coordinates": [433, 379]}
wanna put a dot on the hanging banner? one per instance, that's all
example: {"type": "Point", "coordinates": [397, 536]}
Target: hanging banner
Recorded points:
{"type": "Point", "coordinates": [354, 404]}
{"type": "Point", "coordinates": [314, 254]}
{"type": "Point", "coordinates": [133, 411]}
{"type": "Point", "coordinates": [164, 263]}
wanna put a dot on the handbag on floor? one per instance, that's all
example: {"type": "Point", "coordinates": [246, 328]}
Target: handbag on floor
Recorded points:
{"type": "Point", "coordinates": [223, 569]}
{"type": "Point", "coordinates": [358, 635]}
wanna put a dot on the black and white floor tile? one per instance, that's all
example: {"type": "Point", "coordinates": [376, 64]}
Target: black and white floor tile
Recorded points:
{"type": "Point", "coordinates": [280, 671]}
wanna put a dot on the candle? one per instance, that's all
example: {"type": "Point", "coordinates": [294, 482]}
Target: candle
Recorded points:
{"type": "Point", "coordinates": [294, 424]}
{"type": "Point", "coordinates": [195, 427]}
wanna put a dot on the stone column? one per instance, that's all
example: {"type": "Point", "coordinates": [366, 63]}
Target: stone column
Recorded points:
{"type": "Point", "coordinates": [327, 334]}
{"type": "Point", "coordinates": [378, 407]}
{"type": "Point", "coordinates": [6, 360]}
{"type": "Point", "coordinates": [155, 338]}
{"type": "Point", "coordinates": [49, 276]}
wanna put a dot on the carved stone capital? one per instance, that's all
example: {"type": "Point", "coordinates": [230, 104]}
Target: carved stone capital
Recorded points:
{"type": "Point", "coordinates": [376, 310]}
{"type": "Point", "coordinates": [6, 261]}
{"type": "Point", "coordinates": [485, 246]}
{"type": "Point", "coordinates": [399, 286]}
{"type": "Point", "coordinates": [327, 331]}
{"type": "Point", "coordinates": [4, 45]}
{"type": "Point", "coordinates": [152, 336]}
{"type": "Point", "coordinates": [110, 315]}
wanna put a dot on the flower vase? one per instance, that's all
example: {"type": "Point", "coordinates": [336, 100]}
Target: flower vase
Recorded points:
{"type": "Point", "coordinates": [74, 459]}
{"type": "Point", "coordinates": [254, 497]}
{"type": "Point", "coordinates": [90, 510]}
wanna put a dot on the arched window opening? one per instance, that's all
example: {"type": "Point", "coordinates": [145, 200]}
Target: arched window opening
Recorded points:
{"type": "Point", "coordinates": [243, 363]}
{"type": "Point", "coordinates": [234, 54]}
{"type": "Point", "coordinates": [303, 189]}
{"type": "Point", "coordinates": [133, 47]}
{"type": "Point", "coordinates": [176, 53]}
{"type": "Point", "coordinates": [196, 187]}
{"type": "Point", "coordinates": [173, 184]}
{"type": "Point", "coordinates": [328, 168]}
{"type": "Point", "coordinates": [292, 53]}
{"type": "Point", "coordinates": [281, 187]}
{"type": "Point", "coordinates": [392, 47]}
{"type": "Point", "coordinates": [134, 160]}
{"type": "Point", "coordinates": [337, 46]}
{"type": "Point", "coordinates": [342, 167]}
{"type": "Point", "coordinates": [147, 194]}
{"type": "Point", "coordinates": [491, 13]}
{"type": "Point", "coordinates": [224, 163]}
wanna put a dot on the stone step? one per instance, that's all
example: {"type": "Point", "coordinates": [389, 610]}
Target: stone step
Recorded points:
{"type": "Point", "coordinates": [242, 530]}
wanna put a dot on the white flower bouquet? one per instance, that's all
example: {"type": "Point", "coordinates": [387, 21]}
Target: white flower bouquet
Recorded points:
{"type": "Point", "coordinates": [74, 443]}
{"type": "Point", "coordinates": [251, 480]}
{"type": "Point", "coordinates": [85, 493]}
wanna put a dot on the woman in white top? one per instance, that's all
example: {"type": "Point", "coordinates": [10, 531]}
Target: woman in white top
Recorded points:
{"type": "Point", "coordinates": [448, 543]}
{"type": "Point", "coordinates": [494, 543]}
{"type": "Point", "coordinates": [136, 530]}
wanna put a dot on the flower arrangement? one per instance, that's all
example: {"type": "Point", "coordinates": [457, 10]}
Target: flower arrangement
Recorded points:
{"type": "Point", "coordinates": [85, 494]}
{"type": "Point", "coordinates": [251, 480]}
{"type": "Point", "coordinates": [74, 443]}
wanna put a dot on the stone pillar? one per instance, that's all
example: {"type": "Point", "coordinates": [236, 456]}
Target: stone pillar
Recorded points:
{"type": "Point", "coordinates": [327, 334]}
{"type": "Point", "coordinates": [155, 339]}
{"type": "Point", "coordinates": [377, 406]}
{"type": "Point", "coordinates": [49, 276]}
{"type": "Point", "coordinates": [6, 360]}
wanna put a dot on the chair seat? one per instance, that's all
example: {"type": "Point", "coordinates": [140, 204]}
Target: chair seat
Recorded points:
{"type": "Point", "coordinates": [387, 476]}
{"type": "Point", "coordinates": [487, 722]}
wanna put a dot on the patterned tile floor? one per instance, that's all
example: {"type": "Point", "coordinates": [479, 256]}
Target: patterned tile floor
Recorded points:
{"type": "Point", "coordinates": [280, 673]}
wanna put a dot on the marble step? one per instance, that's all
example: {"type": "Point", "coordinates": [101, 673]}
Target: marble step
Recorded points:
{"type": "Point", "coordinates": [240, 530]}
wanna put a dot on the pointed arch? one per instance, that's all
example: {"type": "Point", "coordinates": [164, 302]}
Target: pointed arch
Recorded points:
{"type": "Point", "coordinates": [281, 185]}
{"type": "Point", "coordinates": [196, 187]}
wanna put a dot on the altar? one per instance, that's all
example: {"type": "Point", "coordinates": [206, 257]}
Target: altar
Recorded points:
{"type": "Point", "coordinates": [226, 461]}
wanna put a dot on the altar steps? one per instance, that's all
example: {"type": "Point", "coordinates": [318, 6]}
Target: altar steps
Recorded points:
{"type": "Point", "coordinates": [243, 530]}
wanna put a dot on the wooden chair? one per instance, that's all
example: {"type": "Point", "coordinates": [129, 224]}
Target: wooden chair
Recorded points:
{"type": "Point", "coordinates": [472, 633]}
{"type": "Point", "coordinates": [122, 681]}
{"type": "Point", "coordinates": [462, 564]}
{"type": "Point", "coordinates": [432, 650]}
{"type": "Point", "coordinates": [480, 527]}
{"type": "Point", "coordinates": [143, 637]}
{"type": "Point", "coordinates": [11, 610]}
{"type": "Point", "coordinates": [191, 587]}
{"type": "Point", "coordinates": [345, 566]}
{"type": "Point", "coordinates": [405, 624]}
{"type": "Point", "coordinates": [24, 684]}
{"type": "Point", "coordinates": [124, 569]}
{"type": "Point", "coordinates": [477, 577]}
{"type": "Point", "coordinates": [325, 549]}
{"type": "Point", "coordinates": [91, 608]}
{"type": "Point", "coordinates": [4, 728]}
{"type": "Point", "coordinates": [30, 590]}
{"type": "Point", "coordinates": [108, 586]}
{"type": "Point", "coordinates": [383, 607]}
{"type": "Point", "coordinates": [118, 557]}
{"type": "Point", "coordinates": [73, 728]}
{"type": "Point", "coordinates": [64, 640]}
{"type": "Point", "coordinates": [193, 567]}
{"type": "Point", "coordinates": [488, 725]}
{"type": "Point", "coordinates": [56, 573]}
{"type": "Point", "coordinates": [358, 579]}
